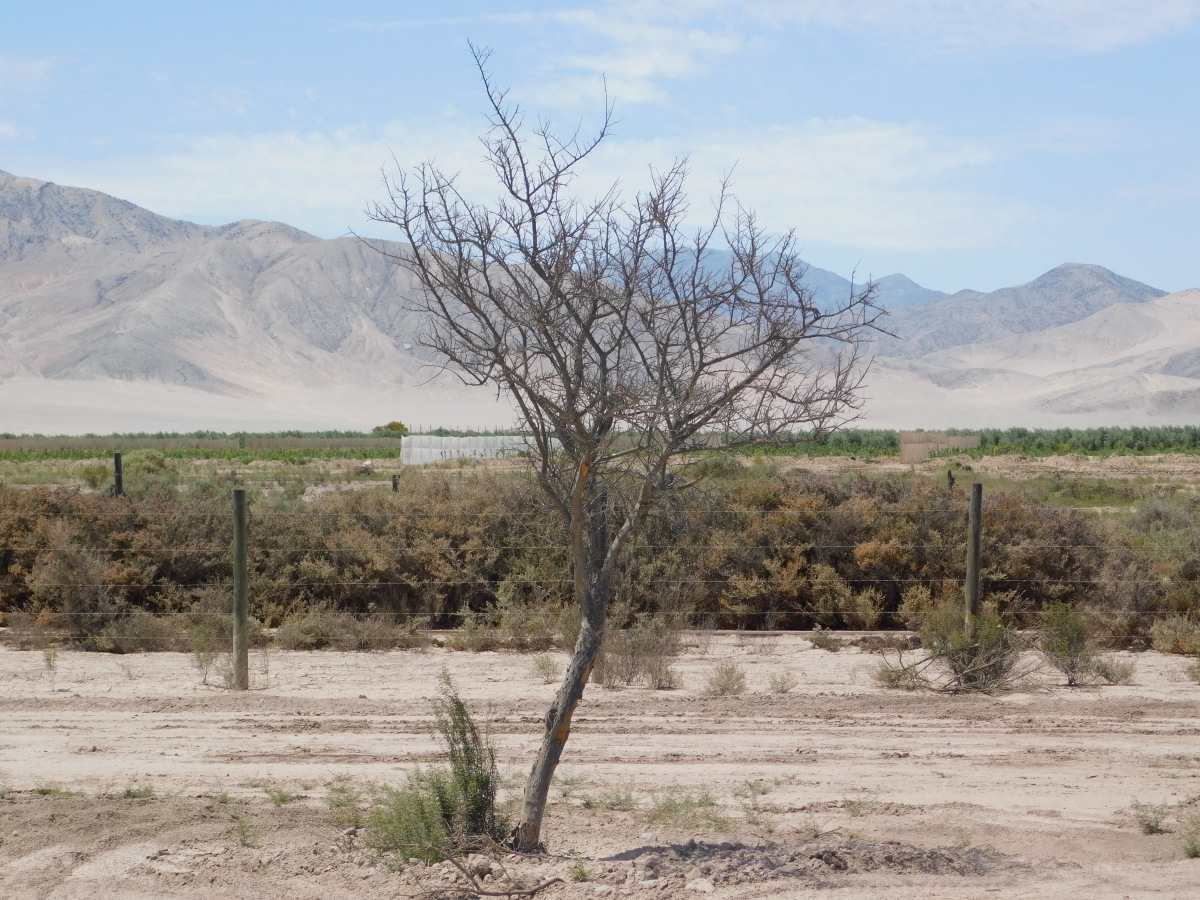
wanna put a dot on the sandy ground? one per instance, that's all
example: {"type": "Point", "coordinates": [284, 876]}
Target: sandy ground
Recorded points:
{"type": "Point", "coordinates": [1025, 794]}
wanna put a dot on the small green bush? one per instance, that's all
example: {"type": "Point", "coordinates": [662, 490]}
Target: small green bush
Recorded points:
{"type": "Point", "coordinates": [1066, 642]}
{"type": "Point", "coordinates": [1191, 838]}
{"type": "Point", "coordinates": [138, 792]}
{"type": "Point", "coordinates": [1175, 634]}
{"type": "Point", "coordinates": [1114, 671]}
{"type": "Point", "coordinates": [580, 872]}
{"type": "Point", "coordinates": [983, 660]}
{"type": "Point", "coordinates": [1151, 818]}
{"type": "Point", "coordinates": [689, 811]}
{"type": "Point", "coordinates": [343, 799]}
{"type": "Point", "coordinates": [782, 682]}
{"type": "Point", "coordinates": [443, 812]}
{"type": "Point", "coordinates": [546, 668]}
{"type": "Point", "coordinates": [726, 679]}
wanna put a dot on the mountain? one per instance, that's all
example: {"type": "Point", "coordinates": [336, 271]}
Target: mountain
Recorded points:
{"type": "Point", "coordinates": [97, 294]}
{"type": "Point", "coordinates": [894, 291]}
{"type": "Point", "coordinates": [113, 318]}
{"type": "Point", "coordinates": [1065, 294]}
{"type": "Point", "coordinates": [1130, 363]}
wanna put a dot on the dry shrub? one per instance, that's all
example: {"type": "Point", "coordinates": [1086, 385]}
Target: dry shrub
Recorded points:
{"type": "Point", "coordinates": [546, 668]}
{"type": "Point", "coordinates": [1066, 642]}
{"type": "Point", "coordinates": [1113, 670]}
{"type": "Point", "coordinates": [725, 679]}
{"type": "Point", "coordinates": [782, 682]}
{"type": "Point", "coordinates": [750, 543]}
{"type": "Point", "coordinates": [823, 639]}
{"type": "Point", "coordinates": [326, 629]}
{"type": "Point", "coordinates": [957, 660]}
{"type": "Point", "coordinates": [640, 654]}
{"type": "Point", "coordinates": [141, 632]}
{"type": "Point", "coordinates": [26, 632]}
{"type": "Point", "coordinates": [1176, 634]}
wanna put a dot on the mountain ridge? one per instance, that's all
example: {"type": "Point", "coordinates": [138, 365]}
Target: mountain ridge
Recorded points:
{"type": "Point", "coordinates": [104, 304]}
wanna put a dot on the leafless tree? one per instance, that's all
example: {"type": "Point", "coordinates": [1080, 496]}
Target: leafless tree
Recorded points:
{"type": "Point", "coordinates": [625, 340]}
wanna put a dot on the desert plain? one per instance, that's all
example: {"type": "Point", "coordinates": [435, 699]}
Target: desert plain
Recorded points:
{"type": "Point", "coordinates": [128, 777]}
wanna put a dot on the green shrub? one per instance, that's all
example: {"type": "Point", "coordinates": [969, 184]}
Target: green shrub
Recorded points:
{"type": "Point", "coordinates": [1175, 634]}
{"type": "Point", "coordinates": [1191, 838]}
{"type": "Point", "coordinates": [1065, 641]}
{"type": "Point", "coordinates": [725, 679]}
{"type": "Point", "coordinates": [1151, 819]}
{"type": "Point", "coordinates": [443, 812]}
{"type": "Point", "coordinates": [343, 800]}
{"type": "Point", "coordinates": [1114, 671]}
{"type": "Point", "coordinates": [689, 811]}
{"type": "Point", "coordinates": [980, 660]}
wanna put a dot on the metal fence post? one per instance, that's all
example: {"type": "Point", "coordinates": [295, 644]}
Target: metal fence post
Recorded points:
{"type": "Point", "coordinates": [118, 476]}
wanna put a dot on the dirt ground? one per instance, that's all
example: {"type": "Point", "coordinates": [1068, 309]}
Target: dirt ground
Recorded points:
{"type": "Point", "coordinates": [837, 785]}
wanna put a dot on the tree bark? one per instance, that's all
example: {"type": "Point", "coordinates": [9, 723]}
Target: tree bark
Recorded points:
{"type": "Point", "coordinates": [526, 836]}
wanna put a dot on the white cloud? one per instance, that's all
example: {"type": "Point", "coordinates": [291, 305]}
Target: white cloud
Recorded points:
{"type": "Point", "coordinates": [850, 182]}
{"type": "Point", "coordinates": [10, 131]}
{"type": "Point", "coordinates": [642, 50]}
{"type": "Point", "coordinates": [18, 73]}
{"type": "Point", "coordinates": [317, 181]}
{"type": "Point", "coordinates": [1078, 25]}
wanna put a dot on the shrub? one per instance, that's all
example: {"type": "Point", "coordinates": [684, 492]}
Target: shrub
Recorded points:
{"type": "Point", "coordinates": [689, 811]}
{"type": "Point", "coordinates": [580, 872]}
{"type": "Point", "coordinates": [725, 679]}
{"type": "Point", "coordinates": [782, 682]}
{"type": "Point", "coordinates": [1191, 838]}
{"type": "Point", "coordinates": [1065, 641]}
{"type": "Point", "coordinates": [1114, 671]}
{"type": "Point", "coordinates": [205, 648]}
{"type": "Point", "coordinates": [640, 654]}
{"type": "Point", "coordinates": [1175, 634]}
{"type": "Point", "coordinates": [984, 659]}
{"type": "Point", "coordinates": [823, 639]}
{"type": "Point", "coordinates": [1150, 818]}
{"type": "Point", "coordinates": [917, 600]}
{"type": "Point", "coordinates": [140, 632]}
{"type": "Point", "coordinates": [343, 800]}
{"type": "Point", "coordinates": [545, 667]}
{"type": "Point", "coordinates": [443, 812]}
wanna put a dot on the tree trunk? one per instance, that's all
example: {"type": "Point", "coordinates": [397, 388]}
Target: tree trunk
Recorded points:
{"type": "Point", "coordinates": [526, 837]}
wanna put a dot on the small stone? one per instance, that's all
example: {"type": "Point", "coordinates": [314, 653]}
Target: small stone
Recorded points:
{"type": "Point", "coordinates": [650, 837]}
{"type": "Point", "coordinates": [351, 832]}
{"type": "Point", "coordinates": [603, 890]}
{"type": "Point", "coordinates": [362, 696]}
{"type": "Point", "coordinates": [703, 885]}
{"type": "Point", "coordinates": [649, 882]}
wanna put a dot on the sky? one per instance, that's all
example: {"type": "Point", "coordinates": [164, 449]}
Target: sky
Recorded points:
{"type": "Point", "coordinates": [964, 143]}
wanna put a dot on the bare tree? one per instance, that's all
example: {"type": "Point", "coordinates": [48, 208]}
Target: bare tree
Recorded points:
{"type": "Point", "coordinates": [623, 338]}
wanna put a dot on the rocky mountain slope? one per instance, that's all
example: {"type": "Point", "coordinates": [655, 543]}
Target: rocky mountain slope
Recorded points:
{"type": "Point", "coordinates": [1065, 294]}
{"type": "Point", "coordinates": [115, 318]}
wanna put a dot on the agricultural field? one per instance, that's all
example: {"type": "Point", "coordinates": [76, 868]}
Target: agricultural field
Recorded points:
{"type": "Point", "coordinates": [761, 725]}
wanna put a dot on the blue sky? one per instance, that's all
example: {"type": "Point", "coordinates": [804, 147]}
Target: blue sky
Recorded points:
{"type": "Point", "coordinates": [964, 143]}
